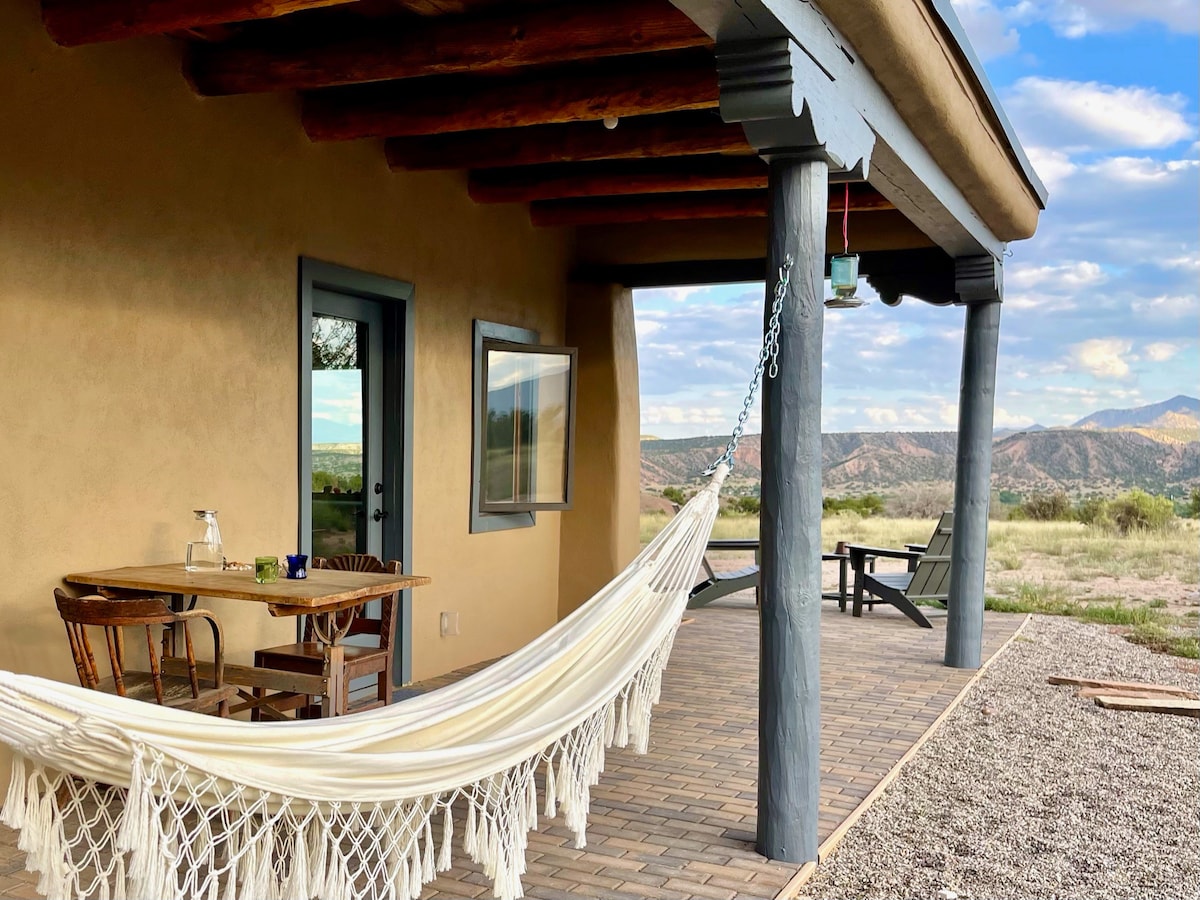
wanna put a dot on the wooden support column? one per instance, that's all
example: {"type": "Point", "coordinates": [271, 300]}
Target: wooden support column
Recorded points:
{"type": "Point", "coordinates": [789, 738]}
{"type": "Point", "coordinates": [978, 281]}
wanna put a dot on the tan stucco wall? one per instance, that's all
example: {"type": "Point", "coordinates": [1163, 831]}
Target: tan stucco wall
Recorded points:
{"type": "Point", "coordinates": [600, 535]}
{"type": "Point", "coordinates": [148, 362]}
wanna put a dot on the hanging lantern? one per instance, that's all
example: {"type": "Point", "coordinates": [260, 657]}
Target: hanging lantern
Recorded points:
{"type": "Point", "coordinates": [843, 268]}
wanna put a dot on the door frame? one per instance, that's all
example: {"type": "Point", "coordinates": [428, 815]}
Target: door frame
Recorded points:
{"type": "Point", "coordinates": [396, 300]}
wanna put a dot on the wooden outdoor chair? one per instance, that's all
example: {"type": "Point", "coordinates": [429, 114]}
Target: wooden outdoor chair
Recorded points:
{"type": "Point", "coordinates": [200, 687]}
{"type": "Point", "coordinates": [722, 584]}
{"type": "Point", "coordinates": [927, 578]}
{"type": "Point", "coordinates": [307, 655]}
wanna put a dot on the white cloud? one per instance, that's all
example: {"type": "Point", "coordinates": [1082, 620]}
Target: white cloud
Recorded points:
{"type": "Point", "coordinates": [1160, 351]}
{"type": "Point", "coordinates": [1102, 357]}
{"type": "Point", "coordinates": [1168, 306]}
{"type": "Point", "coordinates": [1141, 172]}
{"type": "Point", "coordinates": [1053, 166]}
{"type": "Point", "coordinates": [1079, 18]}
{"type": "Point", "coordinates": [881, 415]}
{"type": "Point", "coordinates": [1002, 418]}
{"type": "Point", "coordinates": [683, 415]}
{"type": "Point", "coordinates": [1087, 115]}
{"type": "Point", "coordinates": [986, 26]}
{"type": "Point", "coordinates": [1055, 279]}
{"type": "Point", "coordinates": [1188, 262]}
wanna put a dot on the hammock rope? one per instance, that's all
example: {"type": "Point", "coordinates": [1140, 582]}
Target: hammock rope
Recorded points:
{"type": "Point", "coordinates": [122, 800]}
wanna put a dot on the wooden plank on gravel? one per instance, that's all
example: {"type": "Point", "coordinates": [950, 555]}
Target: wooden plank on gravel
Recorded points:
{"type": "Point", "coordinates": [1091, 693]}
{"type": "Point", "coordinates": [1167, 689]}
{"type": "Point", "coordinates": [1171, 706]}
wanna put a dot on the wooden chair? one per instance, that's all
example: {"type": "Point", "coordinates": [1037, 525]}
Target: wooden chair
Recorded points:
{"type": "Point", "coordinates": [307, 656]}
{"type": "Point", "coordinates": [722, 584]}
{"type": "Point", "coordinates": [927, 578]}
{"type": "Point", "coordinates": [194, 690]}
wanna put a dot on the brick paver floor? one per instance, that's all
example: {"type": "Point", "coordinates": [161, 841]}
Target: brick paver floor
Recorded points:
{"type": "Point", "coordinates": [679, 822]}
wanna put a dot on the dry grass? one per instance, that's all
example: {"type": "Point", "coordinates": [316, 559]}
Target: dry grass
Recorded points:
{"type": "Point", "coordinates": [1143, 584]}
{"type": "Point", "coordinates": [1084, 552]}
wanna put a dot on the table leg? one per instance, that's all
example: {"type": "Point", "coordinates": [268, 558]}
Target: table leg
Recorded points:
{"type": "Point", "coordinates": [334, 701]}
{"type": "Point", "coordinates": [842, 563]}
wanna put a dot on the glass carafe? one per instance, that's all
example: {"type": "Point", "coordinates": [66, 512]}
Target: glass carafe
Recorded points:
{"type": "Point", "coordinates": [205, 552]}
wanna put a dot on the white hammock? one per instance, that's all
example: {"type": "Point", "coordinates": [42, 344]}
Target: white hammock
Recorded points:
{"type": "Point", "coordinates": [115, 798]}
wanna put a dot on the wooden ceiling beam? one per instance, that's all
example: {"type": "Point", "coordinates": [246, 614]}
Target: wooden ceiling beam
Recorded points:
{"type": "Point", "coordinates": [637, 137]}
{"type": "Point", "coordinates": [74, 22]}
{"type": "Point", "coordinates": [595, 179]}
{"type": "Point", "coordinates": [683, 206]}
{"type": "Point", "coordinates": [666, 82]}
{"type": "Point", "coordinates": [494, 42]}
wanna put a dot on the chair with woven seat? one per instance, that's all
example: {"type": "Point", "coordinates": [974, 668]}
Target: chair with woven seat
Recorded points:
{"type": "Point", "coordinates": [926, 580]}
{"type": "Point", "coordinates": [307, 655]}
{"type": "Point", "coordinates": [159, 685]}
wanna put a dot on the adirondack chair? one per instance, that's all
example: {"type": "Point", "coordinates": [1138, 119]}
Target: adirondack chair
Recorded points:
{"type": "Point", "coordinates": [927, 578]}
{"type": "Point", "coordinates": [722, 584]}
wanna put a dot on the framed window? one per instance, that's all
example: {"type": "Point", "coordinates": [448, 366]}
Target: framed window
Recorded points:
{"type": "Point", "coordinates": [523, 444]}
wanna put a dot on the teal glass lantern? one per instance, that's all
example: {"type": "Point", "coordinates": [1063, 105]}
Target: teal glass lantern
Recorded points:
{"type": "Point", "coordinates": [843, 279]}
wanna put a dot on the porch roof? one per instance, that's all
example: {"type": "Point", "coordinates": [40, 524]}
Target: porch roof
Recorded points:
{"type": "Point", "coordinates": [519, 93]}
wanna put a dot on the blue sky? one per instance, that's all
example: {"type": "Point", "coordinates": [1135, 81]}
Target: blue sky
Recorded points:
{"type": "Point", "coordinates": [1101, 306]}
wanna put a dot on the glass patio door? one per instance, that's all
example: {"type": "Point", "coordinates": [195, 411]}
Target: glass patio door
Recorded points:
{"type": "Point", "coordinates": [346, 412]}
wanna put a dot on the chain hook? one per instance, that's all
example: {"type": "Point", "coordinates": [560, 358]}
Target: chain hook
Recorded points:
{"type": "Point", "coordinates": [768, 364]}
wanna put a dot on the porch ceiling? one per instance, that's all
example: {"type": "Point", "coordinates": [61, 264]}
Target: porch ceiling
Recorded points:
{"type": "Point", "coordinates": [515, 92]}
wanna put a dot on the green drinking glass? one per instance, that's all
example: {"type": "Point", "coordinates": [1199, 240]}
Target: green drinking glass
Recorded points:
{"type": "Point", "coordinates": [266, 569]}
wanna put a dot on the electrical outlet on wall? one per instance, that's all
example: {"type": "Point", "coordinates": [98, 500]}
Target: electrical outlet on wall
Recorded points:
{"type": "Point", "coordinates": [449, 624]}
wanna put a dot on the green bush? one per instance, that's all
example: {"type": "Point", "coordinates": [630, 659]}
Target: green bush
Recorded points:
{"type": "Point", "coordinates": [1093, 511]}
{"type": "Point", "coordinates": [747, 506]}
{"type": "Point", "coordinates": [1139, 511]}
{"type": "Point", "coordinates": [675, 495]}
{"type": "Point", "coordinates": [1054, 507]}
{"type": "Point", "coordinates": [866, 505]}
{"type": "Point", "coordinates": [1194, 504]}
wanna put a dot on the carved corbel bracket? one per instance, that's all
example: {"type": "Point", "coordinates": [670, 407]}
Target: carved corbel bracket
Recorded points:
{"type": "Point", "coordinates": [788, 104]}
{"type": "Point", "coordinates": [979, 279]}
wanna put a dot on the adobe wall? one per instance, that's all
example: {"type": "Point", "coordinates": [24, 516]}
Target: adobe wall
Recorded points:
{"type": "Point", "coordinates": [148, 339]}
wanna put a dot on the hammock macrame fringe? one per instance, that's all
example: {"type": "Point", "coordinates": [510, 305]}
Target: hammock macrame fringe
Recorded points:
{"type": "Point", "coordinates": [178, 825]}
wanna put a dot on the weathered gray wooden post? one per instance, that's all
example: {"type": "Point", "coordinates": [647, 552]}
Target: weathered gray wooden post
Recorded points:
{"type": "Point", "coordinates": [790, 525]}
{"type": "Point", "coordinates": [792, 114]}
{"type": "Point", "coordinates": [979, 284]}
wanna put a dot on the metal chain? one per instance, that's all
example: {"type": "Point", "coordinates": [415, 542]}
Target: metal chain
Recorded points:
{"type": "Point", "coordinates": [768, 364]}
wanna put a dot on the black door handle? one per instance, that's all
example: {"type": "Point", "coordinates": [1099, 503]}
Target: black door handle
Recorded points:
{"type": "Point", "coordinates": [380, 515]}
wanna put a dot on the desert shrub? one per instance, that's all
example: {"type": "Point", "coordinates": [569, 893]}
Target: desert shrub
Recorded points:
{"type": "Point", "coordinates": [1193, 508]}
{"type": "Point", "coordinates": [1093, 511]}
{"type": "Point", "coordinates": [866, 505]}
{"type": "Point", "coordinates": [674, 494]}
{"type": "Point", "coordinates": [921, 501]}
{"type": "Point", "coordinates": [1139, 511]}
{"type": "Point", "coordinates": [1054, 507]}
{"type": "Point", "coordinates": [740, 506]}
{"type": "Point", "coordinates": [747, 506]}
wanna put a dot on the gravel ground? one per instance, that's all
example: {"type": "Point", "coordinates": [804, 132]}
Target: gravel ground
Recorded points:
{"type": "Point", "coordinates": [1027, 791]}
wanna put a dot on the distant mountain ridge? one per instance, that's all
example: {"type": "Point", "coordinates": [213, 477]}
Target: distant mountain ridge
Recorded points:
{"type": "Point", "coordinates": [1141, 452]}
{"type": "Point", "coordinates": [1167, 414]}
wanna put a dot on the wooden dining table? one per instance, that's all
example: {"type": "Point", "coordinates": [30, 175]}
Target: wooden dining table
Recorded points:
{"type": "Point", "coordinates": [329, 595]}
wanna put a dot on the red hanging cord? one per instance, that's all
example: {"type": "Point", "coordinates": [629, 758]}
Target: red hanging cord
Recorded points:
{"type": "Point", "coordinates": [846, 221]}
